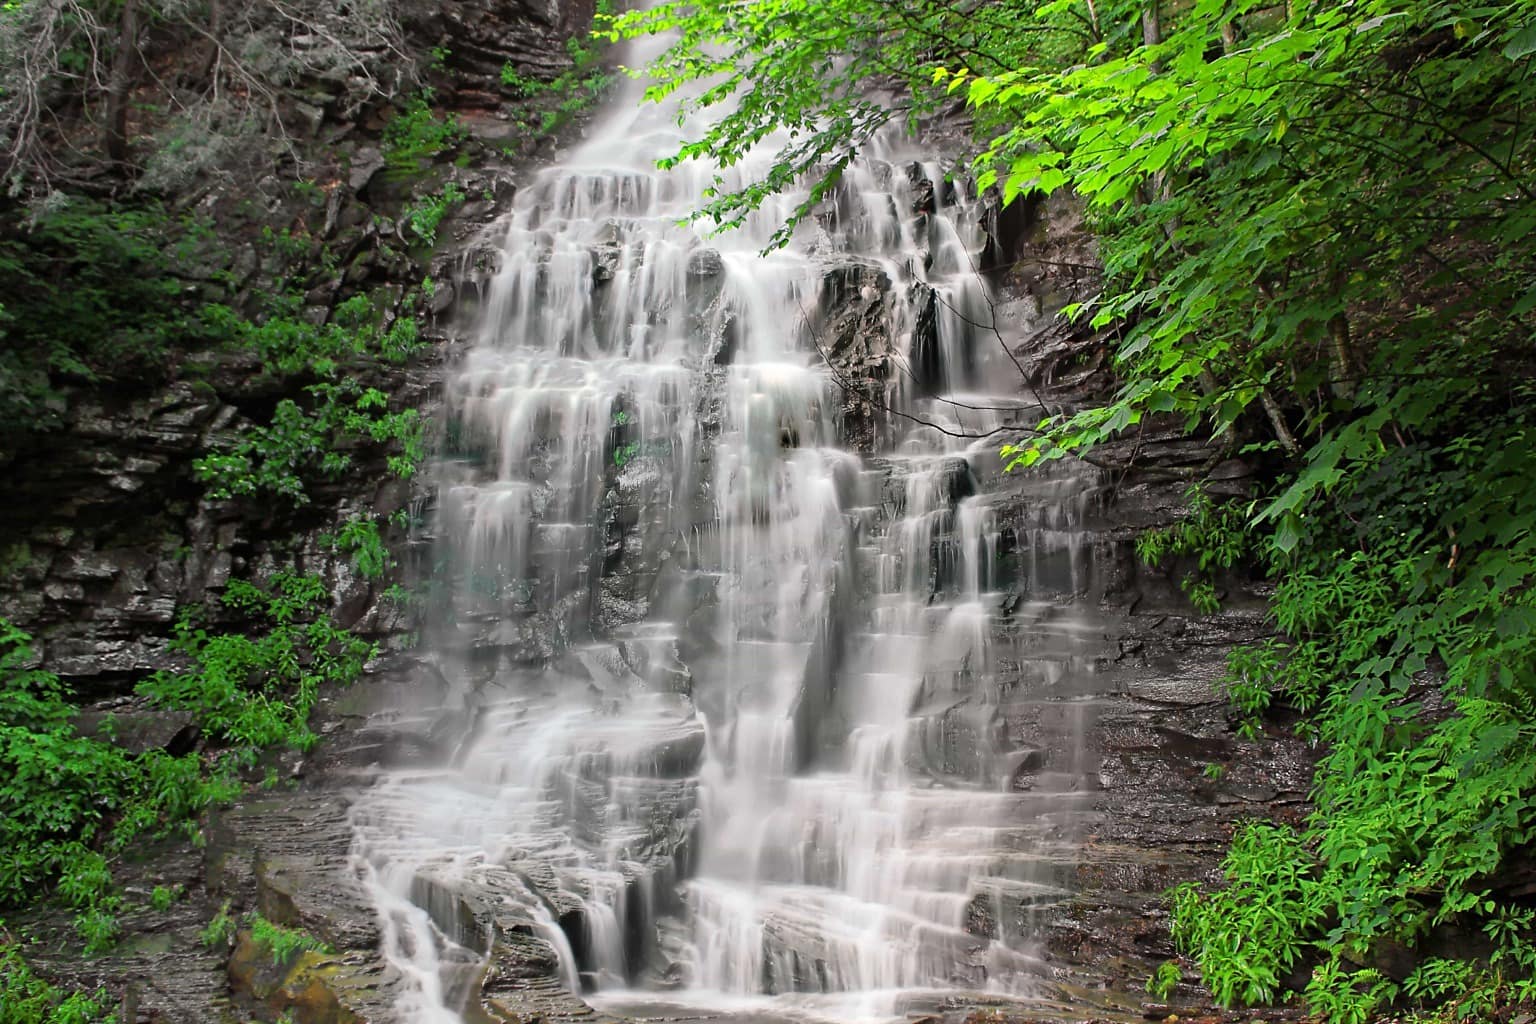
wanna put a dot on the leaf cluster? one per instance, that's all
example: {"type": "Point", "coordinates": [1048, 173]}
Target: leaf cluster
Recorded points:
{"type": "Point", "coordinates": [282, 943]}
{"type": "Point", "coordinates": [576, 90]}
{"type": "Point", "coordinates": [426, 213]}
{"type": "Point", "coordinates": [253, 692]}
{"type": "Point", "coordinates": [1404, 609]}
{"type": "Point", "coordinates": [88, 294]}
{"type": "Point", "coordinates": [309, 438]}
{"type": "Point", "coordinates": [417, 135]}
{"type": "Point", "coordinates": [70, 802]}
{"type": "Point", "coordinates": [26, 998]}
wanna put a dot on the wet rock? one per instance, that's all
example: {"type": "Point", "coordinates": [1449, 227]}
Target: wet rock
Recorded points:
{"type": "Point", "coordinates": [303, 987]}
{"type": "Point", "coordinates": [86, 566]}
{"type": "Point", "coordinates": [605, 263]}
{"type": "Point", "coordinates": [139, 729]}
{"type": "Point", "coordinates": [705, 263]}
{"type": "Point", "coordinates": [678, 756]}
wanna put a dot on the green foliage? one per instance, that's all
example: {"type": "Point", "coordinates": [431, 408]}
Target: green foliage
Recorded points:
{"type": "Point", "coordinates": [69, 802]}
{"type": "Point", "coordinates": [290, 346]}
{"type": "Point", "coordinates": [1437, 978]}
{"type": "Point", "coordinates": [1247, 936]}
{"type": "Point", "coordinates": [162, 897]}
{"type": "Point", "coordinates": [97, 924]}
{"type": "Point", "coordinates": [1260, 187]}
{"type": "Point", "coordinates": [279, 459]}
{"type": "Point", "coordinates": [1165, 979]}
{"type": "Point", "coordinates": [428, 212]}
{"type": "Point", "coordinates": [360, 537]}
{"type": "Point", "coordinates": [576, 90]}
{"type": "Point", "coordinates": [283, 944]}
{"type": "Point", "coordinates": [1415, 809]}
{"type": "Point", "coordinates": [626, 453]}
{"type": "Point", "coordinates": [26, 998]}
{"type": "Point", "coordinates": [1347, 996]}
{"type": "Point", "coordinates": [256, 692]}
{"type": "Point", "coordinates": [417, 135]}
{"type": "Point", "coordinates": [87, 295]}
{"type": "Point", "coordinates": [220, 929]}
{"type": "Point", "coordinates": [1217, 536]}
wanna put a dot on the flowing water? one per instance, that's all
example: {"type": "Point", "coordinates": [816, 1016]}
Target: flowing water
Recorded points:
{"type": "Point", "coordinates": [724, 698]}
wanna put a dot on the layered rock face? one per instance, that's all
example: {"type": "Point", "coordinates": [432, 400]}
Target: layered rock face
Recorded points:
{"type": "Point", "coordinates": [108, 532]}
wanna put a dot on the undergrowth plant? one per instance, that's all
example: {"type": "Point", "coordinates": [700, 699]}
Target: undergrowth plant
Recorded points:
{"type": "Point", "coordinates": [26, 998]}
{"type": "Point", "coordinates": [426, 213]}
{"type": "Point", "coordinates": [71, 804]}
{"type": "Point", "coordinates": [359, 536]}
{"type": "Point", "coordinates": [310, 438]}
{"type": "Point", "coordinates": [1404, 611]}
{"type": "Point", "coordinates": [579, 88]}
{"type": "Point", "coordinates": [220, 930]}
{"type": "Point", "coordinates": [1215, 536]}
{"type": "Point", "coordinates": [417, 135]}
{"type": "Point", "coordinates": [252, 692]}
{"type": "Point", "coordinates": [283, 943]}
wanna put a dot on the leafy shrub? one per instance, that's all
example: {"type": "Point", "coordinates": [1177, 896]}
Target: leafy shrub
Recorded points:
{"type": "Point", "coordinates": [88, 294]}
{"type": "Point", "coordinates": [427, 213]}
{"type": "Point", "coordinates": [360, 537]}
{"type": "Point", "coordinates": [1413, 649]}
{"type": "Point", "coordinates": [27, 999]}
{"type": "Point", "coordinates": [279, 459]}
{"type": "Point", "coordinates": [1347, 996]}
{"type": "Point", "coordinates": [1217, 536]}
{"type": "Point", "coordinates": [1247, 936]}
{"type": "Point", "coordinates": [283, 943]}
{"type": "Point", "coordinates": [220, 929]}
{"type": "Point", "coordinates": [1165, 979]}
{"type": "Point", "coordinates": [416, 135]}
{"type": "Point", "coordinates": [256, 692]}
{"type": "Point", "coordinates": [68, 802]}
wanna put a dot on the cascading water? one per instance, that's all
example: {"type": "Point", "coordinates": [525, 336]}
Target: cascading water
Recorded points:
{"type": "Point", "coordinates": [725, 695]}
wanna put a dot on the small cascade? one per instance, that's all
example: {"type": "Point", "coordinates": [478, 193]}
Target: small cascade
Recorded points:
{"type": "Point", "coordinates": [734, 711]}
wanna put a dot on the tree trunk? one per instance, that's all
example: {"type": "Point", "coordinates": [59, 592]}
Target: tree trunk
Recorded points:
{"type": "Point", "coordinates": [1277, 423]}
{"type": "Point", "coordinates": [215, 30]}
{"type": "Point", "coordinates": [120, 83]}
{"type": "Point", "coordinates": [1151, 26]}
{"type": "Point", "coordinates": [1093, 19]}
{"type": "Point", "coordinates": [1343, 363]}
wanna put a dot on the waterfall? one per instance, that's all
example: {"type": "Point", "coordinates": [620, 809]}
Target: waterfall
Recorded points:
{"type": "Point", "coordinates": [724, 694]}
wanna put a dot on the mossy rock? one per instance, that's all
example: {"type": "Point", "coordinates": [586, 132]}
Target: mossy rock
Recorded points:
{"type": "Point", "coordinates": [310, 987]}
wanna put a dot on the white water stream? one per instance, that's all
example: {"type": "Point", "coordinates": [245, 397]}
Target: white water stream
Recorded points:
{"type": "Point", "coordinates": [759, 757]}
